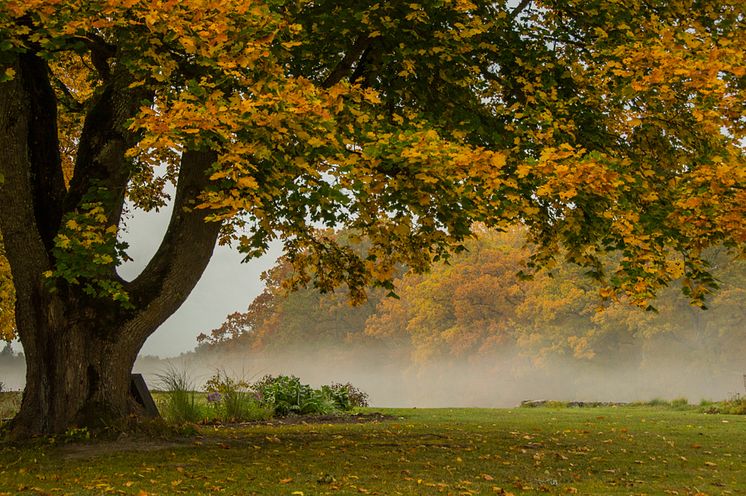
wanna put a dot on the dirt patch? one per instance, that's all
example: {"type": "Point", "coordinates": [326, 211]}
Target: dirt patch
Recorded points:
{"type": "Point", "coordinates": [98, 448]}
{"type": "Point", "coordinates": [139, 443]}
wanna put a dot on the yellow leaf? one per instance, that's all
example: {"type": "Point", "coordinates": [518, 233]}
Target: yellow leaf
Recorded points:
{"type": "Point", "coordinates": [523, 170]}
{"type": "Point", "coordinates": [189, 45]}
{"type": "Point", "coordinates": [247, 182]}
{"type": "Point", "coordinates": [315, 142]}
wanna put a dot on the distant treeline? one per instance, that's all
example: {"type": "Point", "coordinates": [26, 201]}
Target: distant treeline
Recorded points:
{"type": "Point", "coordinates": [480, 304]}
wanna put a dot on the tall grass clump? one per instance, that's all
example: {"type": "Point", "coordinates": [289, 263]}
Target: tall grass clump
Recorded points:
{"type": "Point", "coordinates": [180, 403]}
{"type": "Point", "coordinates": [232, 400]}
{"type": "Point", "coordinates": [10, 403]}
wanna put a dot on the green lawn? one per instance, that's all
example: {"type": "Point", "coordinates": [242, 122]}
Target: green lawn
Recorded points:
{"type": "Point", "coordinates": [630, 451]}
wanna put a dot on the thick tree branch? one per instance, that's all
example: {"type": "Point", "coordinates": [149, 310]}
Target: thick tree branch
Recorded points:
{"type": "Point", "coordinates": [23, 243]}
{"type": "Point", "coordinates": [365, 69]}
{"type": "Point", "coordinates": [343, 67]}
{"type": "Point", "coordinates": [47, 182]}
{"type": "Point", "coordinates": [519, 8]}
{"type": "Point", "coordinates": [183, 255]}
{"type": "Point", "coordinates": [22, 178]}
{"type": "Point", "coordinates": [67, 100]}
{"type": "Point", "coordinates": [101, 161]}
{"type": "Point", "coordinates": [101, 52]}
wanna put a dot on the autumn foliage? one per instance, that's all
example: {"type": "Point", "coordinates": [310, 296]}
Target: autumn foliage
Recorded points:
{"type": "Point", "coordinates": [478, 306]}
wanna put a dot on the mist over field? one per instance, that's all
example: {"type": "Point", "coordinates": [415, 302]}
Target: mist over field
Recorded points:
{"type": "Point", "coordinates": [493, 381]}
{"type": "Point", "coordinates": [498, 380]}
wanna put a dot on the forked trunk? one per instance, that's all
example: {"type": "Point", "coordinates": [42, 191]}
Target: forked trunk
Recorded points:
{"type": "Point", "coordinates": [77, 375]}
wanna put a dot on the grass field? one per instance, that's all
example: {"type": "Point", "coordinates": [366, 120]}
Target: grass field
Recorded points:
{"type": "Point", "coordinates": [631, 450]}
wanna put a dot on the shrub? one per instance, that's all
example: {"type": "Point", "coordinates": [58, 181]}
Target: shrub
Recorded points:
{"type": "Point", "coordinates": [180, 403]}
{"type": "Point", "coordinates": [286, 395]}
{"type": "Point", "coordinates": [233, 401]}
{"type": "Point", "coordinates": [735, 405]}
{"type": "Point", "coordinates": [346, 396]}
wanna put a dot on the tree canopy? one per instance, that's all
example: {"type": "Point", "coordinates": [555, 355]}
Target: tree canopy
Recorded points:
{"type": "Point", "coordinates": [604, 127]}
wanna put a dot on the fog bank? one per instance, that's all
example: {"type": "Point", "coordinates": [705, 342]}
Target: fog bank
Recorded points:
{"type": "Point", "coordinates": [493, 381]}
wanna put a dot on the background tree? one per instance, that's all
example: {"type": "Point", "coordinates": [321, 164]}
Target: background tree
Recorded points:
{"type": "Point", "coordinates": [476, 309]}
{"type": "Point", "coordinates": [603, 127]}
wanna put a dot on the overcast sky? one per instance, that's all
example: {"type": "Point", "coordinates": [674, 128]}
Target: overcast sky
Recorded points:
{"type": "Point", "coordinates": [226, 286]}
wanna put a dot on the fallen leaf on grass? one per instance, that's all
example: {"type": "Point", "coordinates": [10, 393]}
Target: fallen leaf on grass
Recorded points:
{"type": "Point", "coordinates": [285, 481]}
{"type": "Point", "coordinates": [326, 479]}
{"type": "Point", "coordinates": [501, 491]}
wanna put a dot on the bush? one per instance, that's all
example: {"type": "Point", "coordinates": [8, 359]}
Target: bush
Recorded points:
{"type": "Point", "coordinates": [233, 401]}
{"type": "Point", "coordinates": [180, 404]}
{"type": "Point", "coordinates": [286, 395]}
{"type": "Point", "coordinates": [346, 396]}
{"type": "Point", "coordinates": [735, 405]}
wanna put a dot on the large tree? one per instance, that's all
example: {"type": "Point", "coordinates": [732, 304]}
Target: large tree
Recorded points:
{"type": "Point", "coordinates": [603, 126]}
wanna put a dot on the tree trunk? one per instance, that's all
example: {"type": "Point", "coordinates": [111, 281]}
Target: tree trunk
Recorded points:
{"type": "Point", "coordinates": [71, 383]}
{"type": "Point", "coordinates": [77, 381]}
{"type": "Point", "coordinates": [77, 367]}
{"type": "Point", "coordinates": [80, 348]}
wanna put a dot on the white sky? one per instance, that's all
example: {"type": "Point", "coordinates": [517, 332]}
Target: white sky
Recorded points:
{"type": "Point", "coordinates": [226, 286]}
